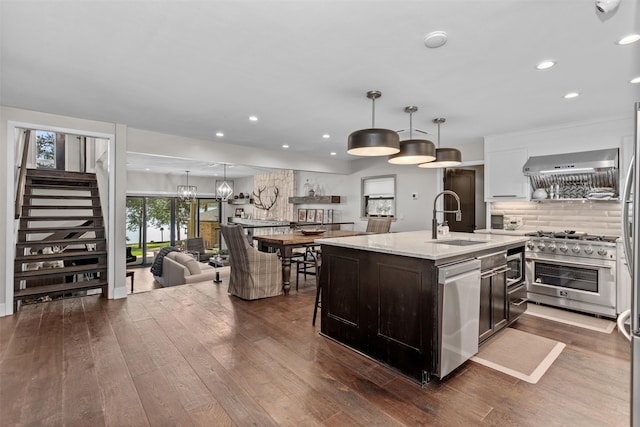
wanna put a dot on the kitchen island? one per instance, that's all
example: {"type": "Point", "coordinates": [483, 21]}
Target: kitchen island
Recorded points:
{"type": "Point", "coordinates": [380, 293]}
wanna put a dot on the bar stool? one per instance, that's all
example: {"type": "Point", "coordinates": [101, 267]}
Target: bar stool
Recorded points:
{"type": "Point", "coordinates": [316, 305]}
{"type": "Point", "coordinates": [307, 263]}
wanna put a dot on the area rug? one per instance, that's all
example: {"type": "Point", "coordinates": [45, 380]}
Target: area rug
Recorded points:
{"type": "Point", "coordinates": [571, 318]}
{"type": "Point", "coordinates": [519, 354]}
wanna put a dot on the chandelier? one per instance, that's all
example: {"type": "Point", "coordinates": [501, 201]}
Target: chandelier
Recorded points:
{"type": "Point", "coordinates": [224, 190]}
{"type": "Point", "coordinates": [187, 192]}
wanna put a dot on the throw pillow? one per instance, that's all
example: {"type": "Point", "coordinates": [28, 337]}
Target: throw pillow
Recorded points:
{"type": "Point", "coordinates": [192, 265]}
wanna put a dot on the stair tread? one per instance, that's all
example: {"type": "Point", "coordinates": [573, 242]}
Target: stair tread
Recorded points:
{"type": "Point", "coordinates": [70, 228]}
{"type": "Point", "coordinates": [39, 172]}
{"type": "Point", "coordinates": [60, 256]}
{"type": "Point", "coordinates": [59, 271]}
{"type": "Point", "coordinates": [61, 242]}
{"type": "Point", "coordinates": [59, 288]}
{"type": "Point", "coordinates": [59, 197]}
{"type": "Point", "coordinates": [59, 207]}
{"type": "Point", "coordinates": [81, 187]}
{"type": "Point", "coordinates": [61, 218]}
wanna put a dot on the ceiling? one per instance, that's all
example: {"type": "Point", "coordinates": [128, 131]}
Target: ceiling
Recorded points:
{"type": "Point", "coordinates": [194, 68]}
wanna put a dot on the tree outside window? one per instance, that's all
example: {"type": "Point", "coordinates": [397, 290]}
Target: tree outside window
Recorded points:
{"type": "Point", "coordinates": [45, 150]}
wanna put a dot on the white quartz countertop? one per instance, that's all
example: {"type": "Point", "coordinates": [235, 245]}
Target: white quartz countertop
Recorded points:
{"type": "Point", "coordinates": [419, 244]}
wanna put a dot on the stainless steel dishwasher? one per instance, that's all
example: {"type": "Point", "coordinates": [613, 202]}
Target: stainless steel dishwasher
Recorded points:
{"type": "Point", "coordinates": [458, 312]}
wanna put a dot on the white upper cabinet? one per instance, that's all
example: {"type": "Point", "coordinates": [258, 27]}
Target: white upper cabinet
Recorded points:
{"type": "Point", "coordinates": [504, 179]}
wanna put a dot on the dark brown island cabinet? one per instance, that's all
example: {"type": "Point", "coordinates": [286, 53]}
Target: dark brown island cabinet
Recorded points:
{"type": "Point", "coordinates": [388, 305]}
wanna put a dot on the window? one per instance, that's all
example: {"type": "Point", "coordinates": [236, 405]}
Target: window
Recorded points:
{"type": "Point", "coordinates": [378, 196]}
{"type": "Point", "coordinates": [45, 150]}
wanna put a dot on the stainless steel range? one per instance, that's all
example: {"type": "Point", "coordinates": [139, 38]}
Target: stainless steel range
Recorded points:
{"type": "Point", "coordinates": [572, 270]}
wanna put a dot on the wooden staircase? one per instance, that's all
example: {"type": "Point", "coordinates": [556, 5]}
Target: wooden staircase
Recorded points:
{"type": "Point", "coordinates": [61, 247]}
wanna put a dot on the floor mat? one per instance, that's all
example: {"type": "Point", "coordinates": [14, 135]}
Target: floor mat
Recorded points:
{"type": "Point", "coordinates": [571, 318]}
{"type": "Point", "coordinates": [519, 354]}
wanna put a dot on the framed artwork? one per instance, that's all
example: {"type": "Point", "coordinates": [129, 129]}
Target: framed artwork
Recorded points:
{"type": "Point", "coordinates": [329, 219]}
{"type": "Point", "coordinates": [302, 215]}
{"type": "Point", "coordinates": [311, 215]}
{"type": "Point", "coordinates": [320, 215]}
{"type": "Point", "coordinates": [239, 212]}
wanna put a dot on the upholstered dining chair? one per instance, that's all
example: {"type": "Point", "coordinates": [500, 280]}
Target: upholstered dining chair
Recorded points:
{"type": "Point", "coordinates": [254, 274]}
{"type": "Point", "coordinates": [379, 224]}
{"type": "Point", "coordinates": [196, 244]}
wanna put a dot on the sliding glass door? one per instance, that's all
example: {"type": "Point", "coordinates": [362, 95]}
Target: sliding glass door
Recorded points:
{"type": "Point", "coordinates": [155, 222]}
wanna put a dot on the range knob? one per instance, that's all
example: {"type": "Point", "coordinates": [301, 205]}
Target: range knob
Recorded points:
{"type": "Point", "coordinates": [575, 249]}
{"type": "Point", "coordinates": [552, 247]}
{"type": "Point", "coordinates": [564, 247]}
{"type": "Point", "coordinates": [541, 246]}
{"type": "Point", "coordinates": [530, 244]}
{"type": "Point", "coordinates": [588, 250]}
{"type": "Point", "coordinates": [602, 251]}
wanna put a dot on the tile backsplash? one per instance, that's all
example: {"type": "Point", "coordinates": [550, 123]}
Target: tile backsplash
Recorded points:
{"type": "Point", "coordinates": [595, 217]}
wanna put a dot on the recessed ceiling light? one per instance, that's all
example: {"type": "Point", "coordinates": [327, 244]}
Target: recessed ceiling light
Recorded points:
{"type": "Point", "coordinates": [635, 80]}
{"type": "Point", "coordinates": [333, 153]}
{"type": "Point", "coordinates": [326, 136]}
{"type": "Point", "coordinates": [435, 39]}
{"type": "Point", "coordinates": [572, 95]}
{"type": "Point", "coordinates": [545, 65]}
{"type": "Point", "coordinates": [147, 169]}
{"type": "Point", "coordinates": [631, 38]}
{"type": "Point", "coordinates": [285, 146]}
{"type": "Point", "coordinates": [219, 134]}
{"type": "Point", "coordinates": [253, 118]}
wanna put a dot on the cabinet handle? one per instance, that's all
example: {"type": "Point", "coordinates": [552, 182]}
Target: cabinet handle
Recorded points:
{"type": "Point", "coordinates": [500, 270]}
{"type": "Point", "coordinates": [522, 301]}
{"type": "Point", "coordinates": [504, 195]}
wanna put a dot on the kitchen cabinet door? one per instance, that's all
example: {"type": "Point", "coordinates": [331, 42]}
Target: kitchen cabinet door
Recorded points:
{"type": "Point", "coordinates": [504, 179]}
{"type": "Point", "coordinates": [493, 304]}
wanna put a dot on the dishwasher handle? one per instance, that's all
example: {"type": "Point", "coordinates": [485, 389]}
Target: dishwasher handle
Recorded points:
{"type": "Point", "coordinates": [449, 272]}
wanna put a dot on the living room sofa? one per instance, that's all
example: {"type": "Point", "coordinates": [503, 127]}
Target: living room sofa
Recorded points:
{"type": "Point", "coordinates": [179, 268]}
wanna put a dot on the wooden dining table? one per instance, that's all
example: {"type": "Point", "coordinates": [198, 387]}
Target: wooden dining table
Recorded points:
{"type": "Point", "coordinates": [286, 243]}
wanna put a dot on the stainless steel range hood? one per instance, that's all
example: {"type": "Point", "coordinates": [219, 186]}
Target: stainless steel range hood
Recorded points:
{"type": "Point", "coordinates": [582, 175]}
{"type": "Point", "coordinates": [567, 163]}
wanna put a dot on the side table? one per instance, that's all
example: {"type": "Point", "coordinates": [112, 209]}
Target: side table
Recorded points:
{"type": "Point", "coordinates": [130, 273]}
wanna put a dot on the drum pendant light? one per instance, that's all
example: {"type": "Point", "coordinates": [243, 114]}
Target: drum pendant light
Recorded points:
{"type": "Point", "coordinates": [413, 151]}
{"type": "Point", "coordinates": [445, 157]}
{"type": "Point", "coordinates": [373, 142]}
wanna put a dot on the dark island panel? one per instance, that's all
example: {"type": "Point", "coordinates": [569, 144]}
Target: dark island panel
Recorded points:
{"type": "Point", "coordinates": [381, 305]}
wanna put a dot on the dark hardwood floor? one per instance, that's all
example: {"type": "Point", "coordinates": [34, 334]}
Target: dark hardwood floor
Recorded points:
{"type": "Point", "coordinates": [192, 355]}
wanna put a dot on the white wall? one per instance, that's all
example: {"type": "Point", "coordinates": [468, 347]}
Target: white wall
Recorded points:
{"type": "Point", "coordinates": [410, 214]}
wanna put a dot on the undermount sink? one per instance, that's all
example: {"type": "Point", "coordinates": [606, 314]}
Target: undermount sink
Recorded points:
{"type": "Point", "coordinates": [458, 242]}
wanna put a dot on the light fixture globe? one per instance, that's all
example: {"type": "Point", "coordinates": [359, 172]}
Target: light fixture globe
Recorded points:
{"type": "Point", "coordinates": [413, 151]}
{"type": "Point", "coordinates": [373, 141]}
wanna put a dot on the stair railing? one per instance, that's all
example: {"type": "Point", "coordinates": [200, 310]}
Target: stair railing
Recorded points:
{"type": "Point", "coordinates": [23, 173]}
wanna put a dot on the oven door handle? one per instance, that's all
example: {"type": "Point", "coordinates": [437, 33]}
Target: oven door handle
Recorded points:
{"type": "Point", "coordinates": [579, 264]}
{"type": "Point", "coordinates": [522, 301]}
